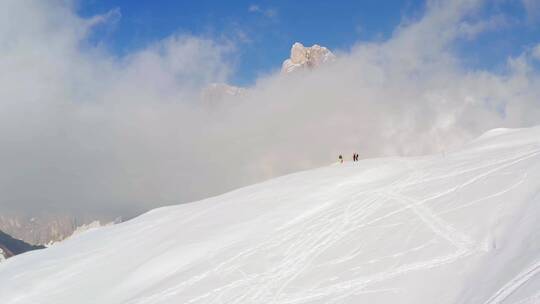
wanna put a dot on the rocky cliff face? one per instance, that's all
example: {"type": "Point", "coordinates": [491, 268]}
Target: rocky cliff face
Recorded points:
{"type": "Point", "coordinates": [306, 57]}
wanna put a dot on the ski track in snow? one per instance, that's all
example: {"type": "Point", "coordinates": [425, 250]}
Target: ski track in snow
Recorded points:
{"type": "Point", "coordinates": [299, 243]}
{"type": "Point", "coordinates": [535, 299]}
{"type": "Point", "coordinates": [319, 232]}
{"type": "Point", "coordinates": [512, 286]}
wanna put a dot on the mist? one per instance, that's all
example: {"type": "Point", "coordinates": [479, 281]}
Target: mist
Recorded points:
{"type": "Point", "coordinates": [83, 130]}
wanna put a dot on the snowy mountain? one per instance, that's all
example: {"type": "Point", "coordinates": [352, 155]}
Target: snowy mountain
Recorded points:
{"type": "Point", "coordinates": [306, 57]}
{"type": "Point", "coordinates": [10, 246]}
{"type": "Point", "coordinates": [460, 227]}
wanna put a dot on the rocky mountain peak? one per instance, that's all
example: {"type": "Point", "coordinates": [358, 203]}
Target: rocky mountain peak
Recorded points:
{"type": "Point", "coordinates": [306, 57]}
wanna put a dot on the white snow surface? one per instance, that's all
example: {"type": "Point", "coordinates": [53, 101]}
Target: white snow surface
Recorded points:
{"type": "Point", "coordinates": [459, 227]}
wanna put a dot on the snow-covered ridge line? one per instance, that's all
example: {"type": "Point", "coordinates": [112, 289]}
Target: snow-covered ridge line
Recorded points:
{"type": "Point", "coordinates": [462, 227]}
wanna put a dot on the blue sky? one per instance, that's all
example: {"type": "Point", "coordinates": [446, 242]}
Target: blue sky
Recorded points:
{"type": "Point", "coordinates": [264, 31]}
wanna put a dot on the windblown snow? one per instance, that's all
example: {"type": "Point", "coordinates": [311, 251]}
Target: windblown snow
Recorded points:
{"type": "Point", "coordinates": [459, 227]}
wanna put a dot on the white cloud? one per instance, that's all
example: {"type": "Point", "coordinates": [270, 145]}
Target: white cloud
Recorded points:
{"type": "Point", "coordinates": [268, 12]}
{"type": "Point", "coordinates": [532, 8]}
{"type": "Point", "coordinates": [536, 52]}
{"type": "Point", "coordinates": [111, 16]}
{"type": "Point", "coordinates": [254, 8]}
{"type": "Point", "coordinates": [471, 30]}
{"type": "Point", "coordinates": [83, 129]}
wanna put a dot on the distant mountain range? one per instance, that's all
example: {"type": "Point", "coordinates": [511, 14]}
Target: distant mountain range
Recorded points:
{"type": "Point", "coordinates": [10, 246]}
{"type": "Point", "coordinates": [44, 229]}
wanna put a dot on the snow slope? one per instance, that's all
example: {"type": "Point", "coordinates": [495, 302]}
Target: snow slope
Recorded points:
{"type": "Point", "coordinates": [460, 227]}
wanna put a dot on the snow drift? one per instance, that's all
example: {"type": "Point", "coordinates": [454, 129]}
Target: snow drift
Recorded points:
{"type": "Point", "coordinates": [458, 227]}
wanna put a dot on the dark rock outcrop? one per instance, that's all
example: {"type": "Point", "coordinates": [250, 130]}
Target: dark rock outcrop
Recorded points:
{"type": "Point", "coordinates": [10, 246]}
